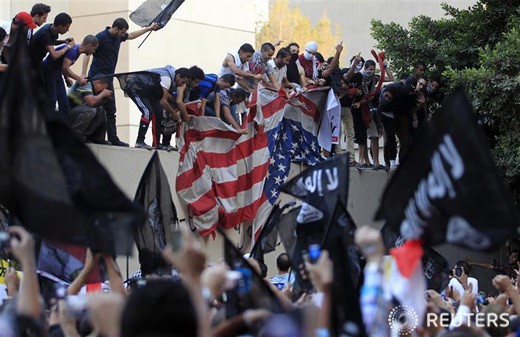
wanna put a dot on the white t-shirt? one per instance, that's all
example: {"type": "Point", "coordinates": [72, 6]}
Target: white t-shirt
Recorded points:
{"type": "Point", "coordinates": [458, 287]}
{"type": "Point", "coordinates": [278, 73]}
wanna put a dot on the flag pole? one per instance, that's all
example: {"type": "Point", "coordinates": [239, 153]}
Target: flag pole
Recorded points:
{"type": "Point", "coordinates": [127, 266]}
{"type": "Point", "coordinates": [150, 32]}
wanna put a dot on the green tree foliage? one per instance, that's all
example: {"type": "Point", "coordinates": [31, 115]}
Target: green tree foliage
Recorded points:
{"type": "Point", "coordinates": [478, 48]}
{"type": "Point", "coordinates": [291, 25]}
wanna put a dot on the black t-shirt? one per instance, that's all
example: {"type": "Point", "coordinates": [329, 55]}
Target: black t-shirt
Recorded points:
{"type": "Point", "coordinates": [41, 39]}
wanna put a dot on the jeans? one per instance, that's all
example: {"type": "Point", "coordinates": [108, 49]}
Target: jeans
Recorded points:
{"type": "Point", "coordinates": [56, 92]}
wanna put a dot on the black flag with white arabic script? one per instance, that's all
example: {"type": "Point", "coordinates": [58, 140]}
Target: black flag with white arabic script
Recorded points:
{"type": "Point", "coordinates": [159, 11]}
{"type": "Point", "coordinates": [156, 230]}
{"type": "Point", "coordinates": [448, 189]}
{"type": "Point", "coordinates": [324, 220]}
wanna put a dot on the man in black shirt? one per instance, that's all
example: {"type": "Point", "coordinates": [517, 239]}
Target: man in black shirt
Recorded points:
{"type": "Point", "coordinates": [46, 38]}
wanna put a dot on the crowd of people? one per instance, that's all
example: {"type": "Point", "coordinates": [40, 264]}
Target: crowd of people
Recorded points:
{"type": "Point", "coordinates": [88, 106]}
{"type": "Point", "coordinates": [193, 300]}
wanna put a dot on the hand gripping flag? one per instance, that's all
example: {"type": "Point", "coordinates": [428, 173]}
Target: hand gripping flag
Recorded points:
{"type": "Point", "coordinates": [226, 178]}
{"type": "Point", "coordinates": [447, 189]}
{"type": "Point", "coordinates": [152, 235]}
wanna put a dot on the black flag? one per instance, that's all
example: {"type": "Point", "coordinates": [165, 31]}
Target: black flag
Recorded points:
{"type": "Point", "coordinates": [435, 266]}
{"type": "Point", "coordinates": [319, 187]}
{"type": "Point", "coordinates": [147, 83]}
{"type": "Point", "coordinates": [159, 11]}
{"type": "Point", "coordinates": [287, 231]}
{"type": "Point", "coordinates": [51, 181]}
{"type": "Point", "coordinates": [324, 220]}
{"type": "Point", "coordinates": [154, 195]}
{"type": "Point", "coordinates": [448, 188]}
{"type": "Point", "coordinates": [251, 291]}
{"type": "Point", "coordinates": [267, 240]}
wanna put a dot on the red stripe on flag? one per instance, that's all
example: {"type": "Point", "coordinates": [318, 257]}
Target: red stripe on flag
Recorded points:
{"type": "Point", "coordinates": [243, 183]}
{"type": "Point", "coordinates": [309, 108]}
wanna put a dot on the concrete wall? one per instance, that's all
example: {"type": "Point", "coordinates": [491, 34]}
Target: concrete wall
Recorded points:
{"type": "Point", "coordinates": [126, 166]}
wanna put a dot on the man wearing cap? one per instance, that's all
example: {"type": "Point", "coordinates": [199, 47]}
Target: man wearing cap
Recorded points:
{"type": "Point", "coordinates": [309, 62]}
{"type": "Point", "coordinates": [23, 19]}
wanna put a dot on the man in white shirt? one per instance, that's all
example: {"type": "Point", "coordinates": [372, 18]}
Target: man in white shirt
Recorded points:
{"type": "Point", "coordinates": [461, 279]}
{"type": "Point", "coordinates": [279, 65]}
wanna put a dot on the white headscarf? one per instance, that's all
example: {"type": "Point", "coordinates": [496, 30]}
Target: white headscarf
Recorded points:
{"type": "Point", "coordinates": [312, 47]}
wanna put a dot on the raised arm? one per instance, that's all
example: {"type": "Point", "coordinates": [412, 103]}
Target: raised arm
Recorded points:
{"type": "Point", "coordinates": [22, 247]}
{"type": "Point", "coordinates": [137, 33]}
{"type": "Point", "coordinates": [79, 281]}
{"type": "Point", "coordinates": [335, 61]}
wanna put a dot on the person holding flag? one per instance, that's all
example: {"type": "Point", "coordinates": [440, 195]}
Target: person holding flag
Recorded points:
{"type": "Point", "coordinates": [105, 61]}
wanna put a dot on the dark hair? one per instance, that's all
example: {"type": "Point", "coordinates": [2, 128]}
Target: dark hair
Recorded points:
{"type": "Point", "coordinates": [40, 9]}
{"type": "Point", "coordinates": [120, 23]}
{"type": "Point", "coordinates": [329, 60]}
{"type": "Point", "coordinates": [195, 73]}
{"type": "Point", "coordinates": [419, 64]}
{"type": "Point", "coordinates": [90, 39]}
{"type": "Point", "coordinates": [319, 57]}
{"type": "Point", "coordinates": [435, 79]}
{"type": "Point", "coordinates": [173, 311]}
{"type": "Point", "coordinates": [292, 44]}
{"type": "Point", "coordinates": [283, 53]}
{"type": "Point", "coordinates": [465, 265]}
{"type": "Point", "coordinates": [370, 63]}
{"type": "Point", "coordinates": [229, 78]}
{"type": "Point", "coordinates": [62, 19]}
{"type": "Point", "coordinates": [239, 93]}
{"type": "Point", "coordinates": [3, 34]}
{"type": "Point", "coordinates": [182, 72]}
{"type": "Point", "coordinates": [247, 48]}
{"type": "Point", "coordinates": [267, 46]}
{"type": "Point", "coordinates": [283, 263]}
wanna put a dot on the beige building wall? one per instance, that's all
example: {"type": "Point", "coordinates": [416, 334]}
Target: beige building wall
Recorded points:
{"type": "Point", "coordinates": [354, 17]}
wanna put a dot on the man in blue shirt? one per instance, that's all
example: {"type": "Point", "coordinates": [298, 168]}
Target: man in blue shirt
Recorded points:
{"type": "Point", "coordinates": [104, 62]}
{"type": "Point", "coordinates": [211, 84]}
{"type": "Point", "coordinates": [54, 69]}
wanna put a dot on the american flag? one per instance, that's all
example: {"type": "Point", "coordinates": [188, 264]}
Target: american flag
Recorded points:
{"type": "Point", "coordinates": [226, 179]}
